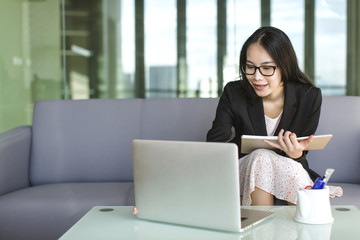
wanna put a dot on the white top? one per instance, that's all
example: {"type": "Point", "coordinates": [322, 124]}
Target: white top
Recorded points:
{"type": "Point", "coordinates": [272, 124]}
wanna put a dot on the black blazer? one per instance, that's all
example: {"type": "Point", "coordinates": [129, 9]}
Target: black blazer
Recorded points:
{"type": "Point", "coordinates": [300, 115]}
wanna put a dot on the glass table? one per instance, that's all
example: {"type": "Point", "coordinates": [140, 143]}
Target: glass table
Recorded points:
{"type": "Point", "coordinates": [118, 222]}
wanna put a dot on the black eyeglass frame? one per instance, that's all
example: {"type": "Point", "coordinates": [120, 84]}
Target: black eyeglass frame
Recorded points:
{"type": "Point", "coordinates": [256, 68]}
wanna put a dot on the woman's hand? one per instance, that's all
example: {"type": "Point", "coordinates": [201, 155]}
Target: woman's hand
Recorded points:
{"type": "Point", "coordinates": [290, 145]}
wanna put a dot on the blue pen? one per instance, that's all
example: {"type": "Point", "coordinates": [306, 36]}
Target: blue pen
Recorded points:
{"type": "Point", "coordinates": [321, 182]}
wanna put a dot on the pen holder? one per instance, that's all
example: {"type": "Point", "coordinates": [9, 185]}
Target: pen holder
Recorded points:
{"type": "Point", "coordinates": [314, 206]}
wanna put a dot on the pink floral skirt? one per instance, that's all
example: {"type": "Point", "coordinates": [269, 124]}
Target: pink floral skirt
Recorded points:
{"type": "Point", "coordinates": [275, 174]}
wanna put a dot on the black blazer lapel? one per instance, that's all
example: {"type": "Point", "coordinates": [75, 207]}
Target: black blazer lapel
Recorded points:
{"type": "Point", "coordinates": [256, 114]}
{"type": "Point", "coordinates": [289, 110]}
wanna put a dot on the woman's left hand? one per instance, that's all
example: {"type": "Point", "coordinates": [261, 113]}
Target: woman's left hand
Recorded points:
{"type": "Point", "coordinates": [290, 145]}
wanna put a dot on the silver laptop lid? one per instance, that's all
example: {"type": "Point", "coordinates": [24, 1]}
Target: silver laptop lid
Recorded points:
{"type": "Point", "coordinates": [189, 183]}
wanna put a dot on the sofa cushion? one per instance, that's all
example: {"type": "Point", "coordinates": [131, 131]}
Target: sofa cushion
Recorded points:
{"type": "Point", "coordinates": [48, 211]}
{"type": "Point", "coordinates": [351, 194]}
{"type": "Point", "coordinates": [340, 116]}
{"type": "Point", "coordinates": [90, 140]}
{"type": "Point", "coordinates": [187, 119]}
{"type": "Point", "coordinates": [14, 159]}
{"type": "Point", "coordinates": [84, 140]}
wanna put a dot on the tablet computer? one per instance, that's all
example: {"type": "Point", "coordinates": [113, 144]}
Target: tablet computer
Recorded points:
{"type": "Point", "coordinates": [250, 143]}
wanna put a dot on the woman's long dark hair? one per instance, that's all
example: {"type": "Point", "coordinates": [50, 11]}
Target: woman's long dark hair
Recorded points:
{"type": "Point", "coordinates": [279, 47]}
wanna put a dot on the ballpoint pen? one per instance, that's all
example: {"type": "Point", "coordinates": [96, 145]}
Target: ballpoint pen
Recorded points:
{"type": "Point", "coordinates": [321, 182]}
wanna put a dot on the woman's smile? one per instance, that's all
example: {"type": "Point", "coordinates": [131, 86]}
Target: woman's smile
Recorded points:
{"type": "Point", "coordinates": [259, 87]}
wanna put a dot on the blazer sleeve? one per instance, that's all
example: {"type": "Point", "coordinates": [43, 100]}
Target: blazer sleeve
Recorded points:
{"type": "Point", "coordinates": [311, 123]}
{"type": "Point", "coordinates": [221, 126]}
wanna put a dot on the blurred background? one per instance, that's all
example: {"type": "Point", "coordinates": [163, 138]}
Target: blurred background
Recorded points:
{"type": "Point", "coordinates": [81, 49]}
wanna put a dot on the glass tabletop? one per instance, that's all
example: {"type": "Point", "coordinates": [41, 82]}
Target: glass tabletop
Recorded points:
{"type": "Point", "coordinates": [118, 222]}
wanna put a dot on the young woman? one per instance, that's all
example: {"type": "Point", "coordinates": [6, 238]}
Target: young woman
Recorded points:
{"type": "Point", "coordinates": [274, 97]}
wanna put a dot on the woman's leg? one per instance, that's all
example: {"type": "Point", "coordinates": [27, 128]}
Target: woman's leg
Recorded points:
{"type": "Point", "coordinates": [267, 170]}
{"type": "Point", "coordinates": [261, 198]}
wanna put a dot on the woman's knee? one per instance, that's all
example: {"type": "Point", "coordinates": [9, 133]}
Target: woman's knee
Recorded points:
{"type": "Point", "coordinates": [262, 154]}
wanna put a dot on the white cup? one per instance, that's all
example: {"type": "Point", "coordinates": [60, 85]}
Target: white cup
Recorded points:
{"type": "Point", "coordinates": [314, 206]}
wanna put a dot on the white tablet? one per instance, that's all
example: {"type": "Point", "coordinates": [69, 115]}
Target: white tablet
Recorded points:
{"type": "Point", "coordinates": [250, 143]}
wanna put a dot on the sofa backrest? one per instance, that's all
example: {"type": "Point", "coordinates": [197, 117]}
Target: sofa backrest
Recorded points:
{"type": "Point", "coordinates": [90, 140]}
{"type": "Point", "coordinates": [340, 116]}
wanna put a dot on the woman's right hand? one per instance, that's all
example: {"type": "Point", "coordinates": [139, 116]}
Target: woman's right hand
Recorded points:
{"type": "Point", "coordinates": [288, 143]}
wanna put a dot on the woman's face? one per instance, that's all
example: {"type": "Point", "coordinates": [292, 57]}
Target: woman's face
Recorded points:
{"type": "Point", "coordinates": [267, 87]}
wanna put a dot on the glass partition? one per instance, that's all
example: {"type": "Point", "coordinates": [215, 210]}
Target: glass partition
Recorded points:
{"type": "Point", "coordinates": [330, 46]}
{"type": "Point", "coordinates": [289, 17]}
{"type": "Point", "coordinates": [30, 63]}
{"type": "Point", "coordinates": [160, 48]}
{"type": "Point", "coordinates": [64, 49]}
{"type": "Point", "coordinates": [98, 49]}
{"type": "Point", "coordinates": [243, 18]}
{"type": "Point", "coordinates": [201, 47]}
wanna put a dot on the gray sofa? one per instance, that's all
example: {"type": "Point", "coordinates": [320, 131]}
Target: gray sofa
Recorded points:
{"type": "Point", "coordinates": [77, 154]}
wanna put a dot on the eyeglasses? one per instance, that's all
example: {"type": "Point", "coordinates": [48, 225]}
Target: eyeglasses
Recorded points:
{"type": "Point", "coordinates": [266, 71]}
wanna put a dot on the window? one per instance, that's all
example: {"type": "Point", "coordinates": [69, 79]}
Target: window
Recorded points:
{"type": "Point", "coordinates": [243, 18]}
{"type": "Point", "coordinates": [126, 56]}
{"type": "Point", "coordinates": [289, 17]}
{"type": "Point", "coordinates": [330, 46]}
{"type": "Point", "coordinates": [30, 66]}
{"type": "Point", "coordinates": [59, 49]}
{"type": "Point", "coordinates": [201, 47]}
{"type": "Point", "coordinates": [160, 48]}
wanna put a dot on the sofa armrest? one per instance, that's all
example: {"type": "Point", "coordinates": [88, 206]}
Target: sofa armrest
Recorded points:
{"type": "Point", "coordinates": [14, 159]}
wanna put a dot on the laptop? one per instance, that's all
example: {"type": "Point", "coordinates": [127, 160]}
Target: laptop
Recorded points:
{"type": "Point", "coordinates": [190, 183]}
